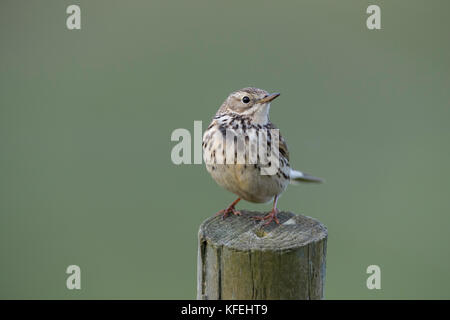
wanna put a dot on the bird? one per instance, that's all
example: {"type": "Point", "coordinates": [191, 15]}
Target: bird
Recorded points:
{"type": "Point", "coordinates": [244, 117]}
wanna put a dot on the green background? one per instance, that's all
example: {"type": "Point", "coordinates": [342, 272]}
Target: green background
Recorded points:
{"type": "Point", "coordinates": [86, 116]}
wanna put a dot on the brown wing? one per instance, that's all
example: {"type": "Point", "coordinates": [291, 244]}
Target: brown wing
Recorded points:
{"type": "Point", "coordinates": [283, 148]}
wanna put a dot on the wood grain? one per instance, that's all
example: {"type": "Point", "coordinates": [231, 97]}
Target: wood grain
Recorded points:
{"type": "Point", "coordinates": [239, 258]}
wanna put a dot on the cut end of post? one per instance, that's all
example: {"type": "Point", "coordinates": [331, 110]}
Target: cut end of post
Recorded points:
{"type": "Point", "coordinates": [241, 258]}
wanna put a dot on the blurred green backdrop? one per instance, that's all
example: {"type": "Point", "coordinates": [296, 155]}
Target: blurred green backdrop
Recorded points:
{"type": "Point", "coordinates": [86, 116]}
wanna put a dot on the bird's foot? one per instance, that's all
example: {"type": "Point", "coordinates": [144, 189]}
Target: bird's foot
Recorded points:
{"type": "Point", "coordinates": [227, 211]}
{"type": "Point", "coordinates": [271, 216]}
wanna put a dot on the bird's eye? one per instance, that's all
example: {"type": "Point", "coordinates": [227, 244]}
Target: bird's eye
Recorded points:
{"type": "Point", "coordinates": [245, 99]}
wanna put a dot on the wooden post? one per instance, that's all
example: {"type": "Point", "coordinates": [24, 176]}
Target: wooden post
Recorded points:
{"type": "Point", "coordinates": [239, 258]}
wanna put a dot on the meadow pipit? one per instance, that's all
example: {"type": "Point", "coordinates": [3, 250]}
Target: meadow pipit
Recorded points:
{"type": "Point", "coordinates": [241, 133]}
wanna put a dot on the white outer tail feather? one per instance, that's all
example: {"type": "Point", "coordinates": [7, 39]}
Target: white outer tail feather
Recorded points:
{"type": "Point", "coordinates": [298, 176]}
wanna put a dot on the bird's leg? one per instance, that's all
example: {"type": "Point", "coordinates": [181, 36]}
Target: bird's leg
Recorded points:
{"type": "Point", "coordinates": [230, 209]}
{"type": "Point", "coordinates": [272, 215]}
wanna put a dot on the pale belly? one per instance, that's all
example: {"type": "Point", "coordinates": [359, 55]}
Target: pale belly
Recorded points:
{"type": "Point", "coordinates": [247, 182]}
{"type": "Point", "coordinates": [244, 180]}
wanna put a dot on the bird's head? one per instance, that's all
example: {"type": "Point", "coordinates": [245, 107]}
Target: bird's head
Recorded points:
{"type": "Point", "coordinates": [251, 102]}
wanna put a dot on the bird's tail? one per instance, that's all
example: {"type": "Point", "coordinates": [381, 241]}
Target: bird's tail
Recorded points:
{"type": "Point", "coordinates": [298, 176]}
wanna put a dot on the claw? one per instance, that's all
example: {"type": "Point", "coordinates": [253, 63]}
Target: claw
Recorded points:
{"type": "Point", "coordinates": [227, 211]}
{"type": "Point", "coordinates": [271, 216]}
{"type": "Point", "coordinates": [230, 209]}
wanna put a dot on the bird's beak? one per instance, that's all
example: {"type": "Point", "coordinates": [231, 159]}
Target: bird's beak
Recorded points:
{"type": "Point", "coordinates": [268, 98]}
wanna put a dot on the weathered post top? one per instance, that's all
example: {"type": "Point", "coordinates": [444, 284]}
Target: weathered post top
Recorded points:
{"type": "Point", "coordinates": [240, 258]}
